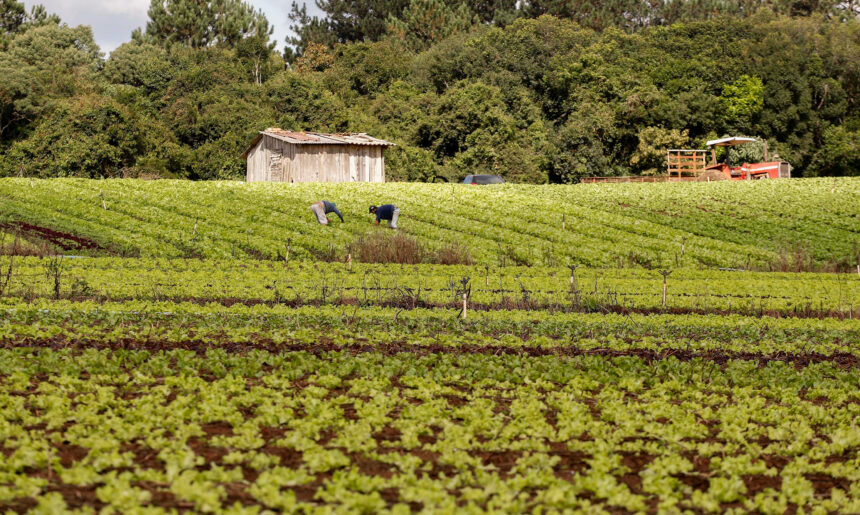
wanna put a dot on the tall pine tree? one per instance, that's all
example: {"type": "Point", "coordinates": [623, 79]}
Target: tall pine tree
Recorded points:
{"type": "Point", "coordinates": [203, 23]}
{"type": "Point", "coordinates": [343, 21]}
{"type": "Point", "coordinates": [425, 22]}
{"type": "Point", "coordinates": [12, 16]}
{"type": "Point", "coordinates": [14, 19]}
{"type": "Point", "coordinates": [346, 21]}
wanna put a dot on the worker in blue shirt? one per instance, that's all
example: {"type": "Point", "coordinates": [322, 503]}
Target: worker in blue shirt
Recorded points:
{"type": "Point", "coordinates": [322, 208]}
{"type": "Point", "coordinates": [387, 212]}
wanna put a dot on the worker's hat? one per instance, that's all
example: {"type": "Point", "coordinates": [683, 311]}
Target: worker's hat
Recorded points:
{"type": "Point", "coordinates": [371, 209]}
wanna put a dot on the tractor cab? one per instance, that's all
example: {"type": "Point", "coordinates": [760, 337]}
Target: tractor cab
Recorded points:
{"type": "Point", "coordinates": [746, 171]}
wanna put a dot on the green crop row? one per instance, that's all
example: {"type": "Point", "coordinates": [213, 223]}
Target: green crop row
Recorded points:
{"type": "Point", "coordinates": [230, 281]}
{"type": "Point", "coordinates": [651, 225]}
{"type": "Point", "coordinates": [784, 212]}
{"type": "Point", "coordinates": [144, 324]}
{"type": "Point", "coordinates": [130, 431]}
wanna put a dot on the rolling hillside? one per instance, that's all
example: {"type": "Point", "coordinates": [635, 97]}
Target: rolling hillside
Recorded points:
{"type": "Point", "coordinates": [762, 225]}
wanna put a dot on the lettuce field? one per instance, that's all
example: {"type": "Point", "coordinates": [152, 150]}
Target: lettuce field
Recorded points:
{"type": "Point", "coordinates": [728, 225]}
{"type": "Point", "coordinates": [176, 347]}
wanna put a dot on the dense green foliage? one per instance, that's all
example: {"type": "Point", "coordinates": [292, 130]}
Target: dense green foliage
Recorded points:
{"type": "Point", "coordinates": [798, 224]}
{"type": "Point", "coordinates": [348, 21]}
{"type": "Point", "coordinates": [588, 88]}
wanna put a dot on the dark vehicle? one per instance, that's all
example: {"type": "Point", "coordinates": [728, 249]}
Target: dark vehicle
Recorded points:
{"type": "Point", "coordinates": [483, 179]}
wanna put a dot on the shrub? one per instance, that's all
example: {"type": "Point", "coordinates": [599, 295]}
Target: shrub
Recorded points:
{"type": "Point", "coordinates": [382, 247]}
{"type": "Point", "coordinates": [452, 254]}
{"type": "Point", "coordinates": [379, 247]}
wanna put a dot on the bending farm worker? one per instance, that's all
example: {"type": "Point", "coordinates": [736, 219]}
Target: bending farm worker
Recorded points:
{"type": "Point", "coordinates": [322, 208]}
{"type": "Point", "coordinates": [387, 212]}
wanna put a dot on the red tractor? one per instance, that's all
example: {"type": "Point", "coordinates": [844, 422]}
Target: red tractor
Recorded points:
{"type": "Point", "coordinates": [766, 170]}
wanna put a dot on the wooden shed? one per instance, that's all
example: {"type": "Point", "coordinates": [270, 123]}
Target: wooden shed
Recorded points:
{"type": "Point", "coordinates": [277, 155]}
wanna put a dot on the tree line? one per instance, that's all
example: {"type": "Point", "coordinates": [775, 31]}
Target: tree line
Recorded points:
{"type": "Point", "coordinates": [536, 91]}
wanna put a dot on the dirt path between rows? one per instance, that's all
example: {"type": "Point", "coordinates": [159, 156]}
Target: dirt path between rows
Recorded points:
{"type": "Point", "coordinates": [59, 239]}
{"type": "Point", "coordinates": [840, 359]}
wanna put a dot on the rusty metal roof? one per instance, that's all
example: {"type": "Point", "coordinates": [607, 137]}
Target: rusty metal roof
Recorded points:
{"type": "Point", "coordinates": [728, 142]}
{"type": "Point", "coordinates": [318, 138]}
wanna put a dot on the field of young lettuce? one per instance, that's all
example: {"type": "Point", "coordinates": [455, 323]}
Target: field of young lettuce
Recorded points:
{"type": "Point", "coordinates": [729, 224]}
{"type": "Point", "coordinates": [237, 384]}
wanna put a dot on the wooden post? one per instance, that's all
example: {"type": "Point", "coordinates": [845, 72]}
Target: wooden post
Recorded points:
{"type": "Point", "coordinates": [574, 284]}
{"type": "Point", "coordinates": [466, 289]}
{"type": "Point", "coordinates": [487, 276]}
{"type": "Point", "coordinates": [764, 144]}
{"type": "Point", "coordinates": [713, 156]}
{"type": "Point", "coordinates": [664, 291]}
{"type": "Point", "coordinates": [665, 274]}
{"type": "Point", "coordinates": [349, 261]}
{"type": "Point", "coordinates": [562, 221]}
{"type": "Point", "coordinates": [669, 163]}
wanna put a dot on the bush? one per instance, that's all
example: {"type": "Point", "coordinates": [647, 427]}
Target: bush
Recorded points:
{"type": "Point", "coordinates": [382, 247]}
{"type": "Point", "coordinates": [379, 247]}
{"type": "Point", "coordinates": [84, 137]}
{"type": "Point", "coordinates": [452, 254]}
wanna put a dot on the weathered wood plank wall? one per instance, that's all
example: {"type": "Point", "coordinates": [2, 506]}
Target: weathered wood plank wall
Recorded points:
{"type": "Point", "coordinates": [256, 160]}
{"type": "Point", "coordinates": [274, 160]}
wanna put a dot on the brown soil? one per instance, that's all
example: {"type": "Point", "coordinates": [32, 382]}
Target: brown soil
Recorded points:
{"type": "Point", "coordinates": [569, 464]}
{"type": "Point", "coordinates": [62, 240]}
{"type": "Point", "coordinates": [757, 483]}
{"type": "Point", "coordinates": [77, 496]}
{"type": "Point", "coordinates": [824, 483]}
{"type": "Point", "coordinates": [252, 253]}
{"type": "Point", "coordinates": [69, 454]}
{"type": "Point", "coordinates": [371, 467]}
{"type": "Point", "coordinates": [144, 456]}
{"type": "Point", "coordinates": [217, 428]}
{"type": "Point", "coordinates": [502, 461]}
{"type": "Point", "coordinates": [841, 359]}
{"type": "Point", "coordinates": [388, 435]}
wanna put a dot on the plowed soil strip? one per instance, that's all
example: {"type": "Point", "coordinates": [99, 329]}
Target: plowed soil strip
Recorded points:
{"type": "Point", "coordinates": [63, 240]}
{"type": "Point", "coordinates": [840, 359]}
{"type": "Point", "coordinates": [498, 306]}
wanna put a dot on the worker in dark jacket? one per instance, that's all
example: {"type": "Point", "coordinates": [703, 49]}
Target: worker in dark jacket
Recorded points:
{"type": "Point", "coordinates": [322, 208]}
{"type": "Point", "coordinates": [387, 212]}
